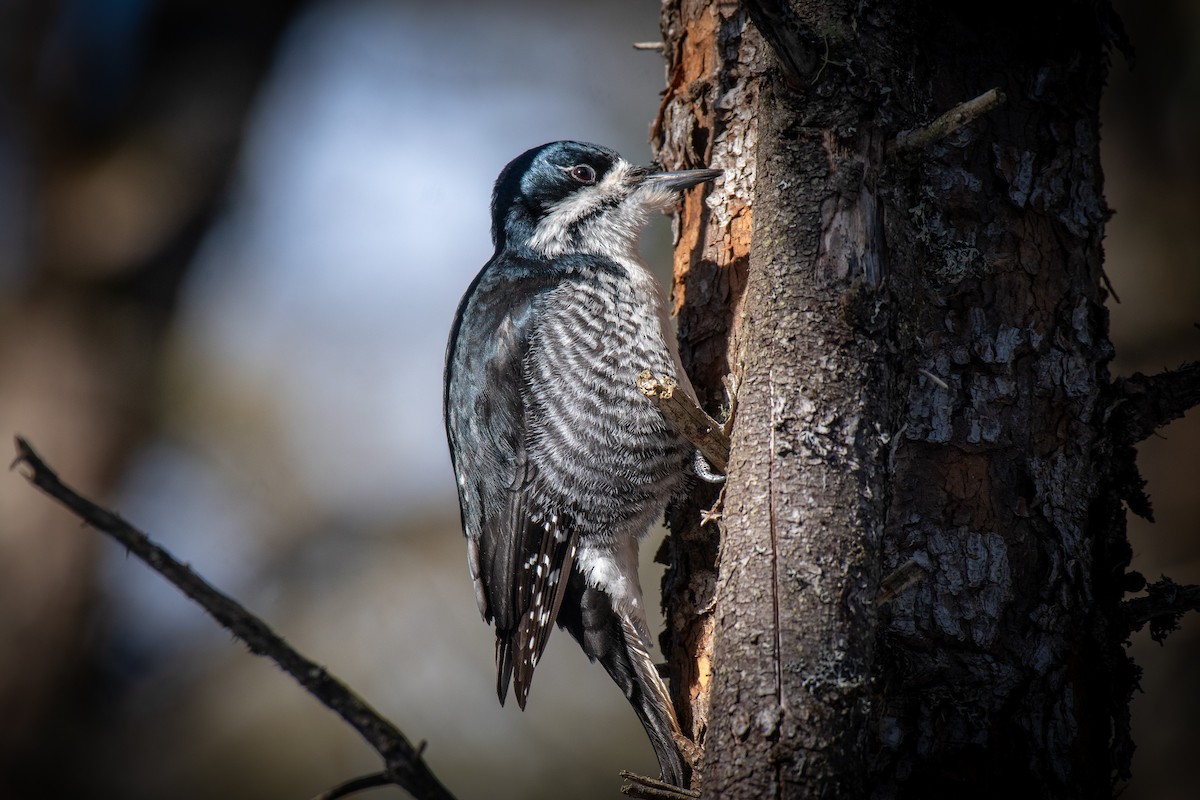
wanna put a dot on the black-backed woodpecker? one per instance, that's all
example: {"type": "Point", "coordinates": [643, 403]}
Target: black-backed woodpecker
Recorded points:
{"type": "Point", "coordinates": [562, 465]}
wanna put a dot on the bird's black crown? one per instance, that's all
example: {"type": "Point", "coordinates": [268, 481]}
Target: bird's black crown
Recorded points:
{"type": "Point", "coordinates": [537, 179]}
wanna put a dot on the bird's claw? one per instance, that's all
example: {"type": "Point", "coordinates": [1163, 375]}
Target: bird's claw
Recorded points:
{"type": "Point", "coordinates": [704, 471]}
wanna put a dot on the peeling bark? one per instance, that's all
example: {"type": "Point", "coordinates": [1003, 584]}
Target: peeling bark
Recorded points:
{"type": "Point", "coordinates": [708, 116]}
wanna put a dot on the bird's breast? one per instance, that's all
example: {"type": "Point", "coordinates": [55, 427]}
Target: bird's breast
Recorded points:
{"type": "Point", "coordinates": [596, 439]}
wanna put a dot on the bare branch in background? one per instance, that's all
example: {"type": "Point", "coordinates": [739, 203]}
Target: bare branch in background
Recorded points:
{"type": "Point", "coordinates": [405, 766]}
{"type": "Point", "coordinates": [355, 785]}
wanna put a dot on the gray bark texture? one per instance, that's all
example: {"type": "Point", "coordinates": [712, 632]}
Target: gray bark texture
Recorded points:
{"type": "Point", "coordinates": [920, 341]}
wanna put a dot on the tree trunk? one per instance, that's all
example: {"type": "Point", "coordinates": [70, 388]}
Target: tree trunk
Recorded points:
{"type": "Point", "coordinates": [922, 354]}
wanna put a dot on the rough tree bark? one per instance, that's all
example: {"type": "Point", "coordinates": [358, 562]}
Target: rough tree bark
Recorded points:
{"type": "Point", "coordinates": [919, 330]}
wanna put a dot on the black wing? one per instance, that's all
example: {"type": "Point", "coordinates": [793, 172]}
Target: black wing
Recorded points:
{"type": "Point", "coordinates": [539, 561]}
{"type": "Point", "coordinates": [519, 553]}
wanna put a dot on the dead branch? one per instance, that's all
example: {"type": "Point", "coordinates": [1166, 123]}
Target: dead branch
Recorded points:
{"type": "Point", "coordinates": [1145, 403]}
{"type": "Point", "coordinates": [645, 788]}
{"type": "Point", "coordinates": [962, 114]}
{"type": "Point", "coordinates": [688, 418]}
{"type": "Point", "coordinates": [1164, 603]}
{"type": "Point", "coordinates": [405, 766]}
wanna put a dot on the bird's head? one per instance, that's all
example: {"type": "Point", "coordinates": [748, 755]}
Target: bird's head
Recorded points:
{"type": "Point", "coordinates": [572, 197]}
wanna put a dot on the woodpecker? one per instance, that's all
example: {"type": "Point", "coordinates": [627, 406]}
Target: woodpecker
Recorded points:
{"type": "Point", "coordinates": [562, 465]}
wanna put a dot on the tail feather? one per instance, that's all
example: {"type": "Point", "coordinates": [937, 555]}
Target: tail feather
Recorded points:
{"type": "Point", "coordinates": [613, 639]}
{"type": "Point", "coordinates": [652, 703]}
{"type": "Point", "coordinates": [504, 668]}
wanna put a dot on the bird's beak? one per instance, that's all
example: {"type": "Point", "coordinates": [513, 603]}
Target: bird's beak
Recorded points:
{"type": "Point", "coordinates": [682, 179]}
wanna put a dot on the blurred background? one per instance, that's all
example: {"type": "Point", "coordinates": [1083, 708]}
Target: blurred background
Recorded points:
{"type": "Point", "coordinates": [232, 238]}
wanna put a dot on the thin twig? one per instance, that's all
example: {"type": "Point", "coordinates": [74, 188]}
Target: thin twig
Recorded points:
{"type": "Point", "coordinates": [372, 781]}
{"type": "Point", "coordinates": [405, 767]}
{"type": "Point", "coordinates": [659, 46]}
{"type": "Point", "coordinates": [717, 512]}
{"type": "Point", "coordinates": [962, 114]}
{"type": "Point", "coordinates": [1109, 285]}
{"type": "Point", "coordinates": [688, 418]}
{"type": "Point", "coordinates": [647, 788]}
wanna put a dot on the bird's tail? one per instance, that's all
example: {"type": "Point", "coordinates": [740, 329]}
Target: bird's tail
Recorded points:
{"type": "Point", "coordinates": [504, 666]}
{"type": "Point", "coordinates": [613, 639]}
{"type": "Point", "coordinates": [652, 702]}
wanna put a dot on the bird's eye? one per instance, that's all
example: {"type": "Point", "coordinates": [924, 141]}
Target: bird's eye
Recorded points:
{"type": "Point", "coordinates": [583, 173]}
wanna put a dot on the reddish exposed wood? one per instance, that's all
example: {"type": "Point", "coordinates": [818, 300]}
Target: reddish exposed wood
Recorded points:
{"type": "Point", "coordinates": [707, 118]}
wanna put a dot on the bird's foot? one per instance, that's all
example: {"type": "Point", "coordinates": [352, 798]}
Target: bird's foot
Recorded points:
{"type": "Point", "coordinates": [704, 470]}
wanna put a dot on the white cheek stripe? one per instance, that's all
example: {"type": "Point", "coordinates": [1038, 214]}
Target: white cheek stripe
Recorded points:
{"type": "Point", "coordinates": [552, 237]}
